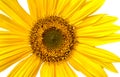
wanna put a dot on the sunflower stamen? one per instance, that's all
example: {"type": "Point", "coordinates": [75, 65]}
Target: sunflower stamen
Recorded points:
{"type": "Point", "coordinates": [52, 39]}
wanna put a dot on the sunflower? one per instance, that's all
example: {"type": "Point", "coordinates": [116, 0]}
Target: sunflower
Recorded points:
{"type": "Point", "coordinates": [55, 36]}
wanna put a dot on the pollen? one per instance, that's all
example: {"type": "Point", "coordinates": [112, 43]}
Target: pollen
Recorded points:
{"type": "Point", "coordinates": [52, 39]}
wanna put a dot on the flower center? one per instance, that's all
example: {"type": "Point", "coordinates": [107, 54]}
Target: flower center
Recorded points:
{"type": "Point", "coordinates": [52, 39]}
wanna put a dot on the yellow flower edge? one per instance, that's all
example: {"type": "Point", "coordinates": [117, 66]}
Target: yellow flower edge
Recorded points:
{"type": "Point", "coordinates": [67, 18]}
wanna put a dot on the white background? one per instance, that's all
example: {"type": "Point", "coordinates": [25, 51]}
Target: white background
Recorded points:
{"type": "Point", "coordinates": [111, 7]}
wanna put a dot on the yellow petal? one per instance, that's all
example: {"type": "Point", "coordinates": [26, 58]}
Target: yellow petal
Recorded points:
{"type": "Point", "coordinates": [96, 53]}
{"type": "Point", "coordinates": [5, 63]}
{"type": "Point", "coordinates": [69, 71]}
{"type": "Point", "coordinates": [4, 44]}
{"type": "Point", "coordinates": [11, 38]}
{"type": "Point", "coordinates": [87, 9]}
{"type": "Point", "coordinates": [99, 41]}
{"type": "Point", "coordinates": [79, 68]}
{"type": "Point", "coordinates": [60, 8]}
{"type": "Point", "coordinates": [91, 67]}
{"type": "Point", "coordinates": [32, 70]}
{"type": "Point", "coordinates": [62, 69]}
{"type": "Point", "coordinates": [97, 31]}
{"type": "Point", "coordinates": [44, 7]}
{"type": "Point", "coordinates": [19, 10]}
{"type": "Point", "coordinates": [88, 21]}
{"type": "Point", "coordinates": [74, 6]}
{"type": "Point", "coordinates": [13, 27]}
{"type": "Point", "coordinates": [110, 67]}
{"type": "Point", "coordinates": [47, 70]}
{"type": "Point", "coordinates": [106, 19]}
{"type": "Point", "coordinates": [106, 65]}
{"type": "Point", "coordinates": [26, 67]}
{"type": "Point", "coordinates": [15, 13]}
{"type": "Point", "coordinates": [11, 33]}
{"type": "Point", "coordinates": [13, 52]}
{"type": "Point", "coordinates": [50, 7]}
{"type": "Point", "coordinates": [95, 20]}
{"type": "Point", "coordinates": [33, 8]}
{"type": "Point", "coordinates": [8, 49]}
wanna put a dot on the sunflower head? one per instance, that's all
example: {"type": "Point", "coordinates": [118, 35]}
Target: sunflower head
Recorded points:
{"type": "Point", "coordinates": [52, 39]}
